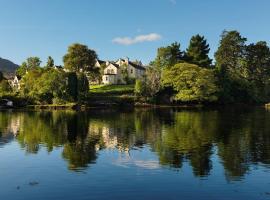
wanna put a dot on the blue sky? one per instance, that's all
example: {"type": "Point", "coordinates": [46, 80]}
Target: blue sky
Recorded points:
{"type": "Point", "coordinates": [120, 28]}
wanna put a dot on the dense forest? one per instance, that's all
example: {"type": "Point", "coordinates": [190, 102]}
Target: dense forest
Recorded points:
{"type": "Point", "coordinates": [240, 74]}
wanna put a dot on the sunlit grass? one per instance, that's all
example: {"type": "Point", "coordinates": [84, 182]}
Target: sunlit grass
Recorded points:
{"type": "Point", "coordinates": [111, 89]}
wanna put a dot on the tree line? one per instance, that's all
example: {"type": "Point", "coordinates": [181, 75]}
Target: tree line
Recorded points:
{"type": "Point", "coordinates": [240, 73]}
{"type": "Point", "coordinates": [55, 84]}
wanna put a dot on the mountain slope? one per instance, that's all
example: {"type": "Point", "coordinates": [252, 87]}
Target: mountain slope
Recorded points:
{"type": "Point", "coordinates": [7, 67]}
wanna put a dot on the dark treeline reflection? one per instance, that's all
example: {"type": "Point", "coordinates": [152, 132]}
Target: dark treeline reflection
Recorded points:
{"type": "Point", "coordinates": [238, 137]}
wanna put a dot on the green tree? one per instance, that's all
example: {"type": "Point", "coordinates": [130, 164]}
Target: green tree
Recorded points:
{"type": "Point", "coordinates": [197, 52]}
{"type": "Point", "coordinates": [33, 62]}
{"type": "Point", "coordinates": [229, 61]}
{"type": "Point", "coordinates": [21, 71]}
{"type": "Point", "coordinates": [124, 72]}
{"type": "Point", "coordinates": [191, 83]}
{"type": "Point", "coordinates": [153, 81]}
{"type": "Point", "coordinates": [5, 88]}
{"type": "Point", "coordinates": [139, 87]}
{"type": "Point", "coordinates": [256, 70]}
{"type": "Point", "coordinates": [82, 86]}
{"type": "Point", "coordinates": [168, 56]}
{"type": "Point", "coordinates": [79, 58]}
{"type": "Point", "coordinates": [50, 62]}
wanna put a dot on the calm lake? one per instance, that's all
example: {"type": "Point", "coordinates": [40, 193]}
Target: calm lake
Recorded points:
{"type": "Point", "coordinates": [135, 154]}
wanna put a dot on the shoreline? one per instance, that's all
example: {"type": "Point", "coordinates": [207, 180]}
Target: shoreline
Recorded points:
{"type": "Point", "coordinates": [85, 107]}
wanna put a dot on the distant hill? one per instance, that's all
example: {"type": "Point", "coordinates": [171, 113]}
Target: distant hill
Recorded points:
{"type": "Point", "coordinates": [7, 67]}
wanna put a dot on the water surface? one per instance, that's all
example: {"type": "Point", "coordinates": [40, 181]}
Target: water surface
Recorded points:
{"type": "Point", "coordinates": [135, 154]}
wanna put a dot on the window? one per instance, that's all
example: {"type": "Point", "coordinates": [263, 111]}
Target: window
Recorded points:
{"type": "Point", "coordinates": [131, 71]}
{"type": "Point", "coordinates": [106, 78]}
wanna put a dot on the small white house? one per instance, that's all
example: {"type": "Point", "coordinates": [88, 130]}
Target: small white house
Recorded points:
{"type": "Point", "coordinates": [15, 83]}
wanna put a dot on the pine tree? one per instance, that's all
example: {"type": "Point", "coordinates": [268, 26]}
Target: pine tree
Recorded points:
{"type": "Point", "coordinates": [197, 52]}
{"type": "Point", "coordinates": [168, 56]}
{"type": "Point", "coordinates": [50, 62]}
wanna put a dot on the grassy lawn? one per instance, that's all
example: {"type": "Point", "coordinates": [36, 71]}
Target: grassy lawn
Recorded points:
{"type": "Point", "coordinates": [111, 89]}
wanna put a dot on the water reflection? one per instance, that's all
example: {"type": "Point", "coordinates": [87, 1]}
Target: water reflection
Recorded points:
{"type": "Point", "coordinates": [238, 138]}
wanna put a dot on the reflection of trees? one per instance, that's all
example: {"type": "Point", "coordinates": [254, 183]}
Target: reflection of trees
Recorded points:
{"type": "Point", "coordinates": [53, 129]}
{"type": "Point", "coordinates": [9, 126]}
{"type": "Point", "coordinates": [240, 137]}
{"type": "Point", "coordinates": [244, 138]}
{"type": "Point", "coordinates": [191, 136]}
{"type": "Point", "coordinates": [80, 148]}
{"type": "Point", "coordinates": [42, 128]}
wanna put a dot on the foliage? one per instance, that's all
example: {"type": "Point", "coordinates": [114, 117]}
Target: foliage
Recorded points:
{"type": "Point", "coordinates": [153, 81]}
{"type": "Point", "coordinates": [5, 88]}
{"type": "Point", "coordinates": [79, 58]}
{"type": "Point", "coordinates": [21, 70]}
{"type": "Point", "coordinates": [31, 63]}
{"type": "Point", "coordinates": [197, 52]}
{"type": "Point", "coordinates": [256, 69]}
{"type": "Point", "coordinates": [72, 85]}
{"type": "Point", "coordinates": [50, 62]}
{"type": "Point", "coordinates": [124, 72]}
{"type": "Point", "coordinates": [192, 83]}
{"type": "Point", "coordinates": [82, 86]}
{"type": "Point", "coordinates": [243, 69]}
{"type": "Point", "coordinates": [45, 86]}
{"type": "Point", "coordinates": [139, 89]}
{"type": "Point", "coordinates": [168, 56]}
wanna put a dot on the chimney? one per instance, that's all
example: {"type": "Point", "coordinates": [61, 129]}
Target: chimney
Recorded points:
{"type": "Point", "coordinates": [127, 60]}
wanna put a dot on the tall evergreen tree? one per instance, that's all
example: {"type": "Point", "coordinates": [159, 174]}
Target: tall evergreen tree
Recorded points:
{"type": "Point", "coordinates": [229, 61]}
{"type": "Point", "coordinates": [197, 52]}
{"type": "Point", "coordinates": [50, 62]}
{"type": "Point", "coordinates": [168, 56]}
{"type": "Point", "coordinates": [256, 70]}
{"type": "Point", "coordinates": [231, 52]}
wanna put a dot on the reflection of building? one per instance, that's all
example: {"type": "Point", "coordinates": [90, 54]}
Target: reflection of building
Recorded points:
{"type": "Point", "coordinates": [14, 125]}
{"type": "Point", "coordinates": [11, 131]}
{"type": "Point", "coordinates": [109, 137]}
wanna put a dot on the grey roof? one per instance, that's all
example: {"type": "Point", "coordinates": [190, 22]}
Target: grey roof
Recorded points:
{"type": "Point", "coordinates": [136, 66]}
{"type": "Point", "coordinates": [101, 61]}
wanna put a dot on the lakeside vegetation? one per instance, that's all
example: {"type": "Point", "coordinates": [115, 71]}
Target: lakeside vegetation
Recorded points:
{"type": "Point", "coordinates": [240, 74]}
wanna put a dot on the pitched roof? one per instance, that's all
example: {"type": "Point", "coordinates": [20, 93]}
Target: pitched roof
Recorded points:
{"type": "Point", "coordinates": [101, 61]}
{"type": "Point", "coordinates": [114, 64]}
{"type": "Point", "coordinates": [18, 77]}
{"type": "Point", "coordinates": [136, 66]}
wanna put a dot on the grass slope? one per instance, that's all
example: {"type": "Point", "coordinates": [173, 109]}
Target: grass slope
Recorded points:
{"type": "Point", "coordinates": [109, 90]}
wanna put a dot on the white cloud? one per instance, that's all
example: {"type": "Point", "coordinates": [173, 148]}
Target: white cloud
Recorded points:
{"type": "Point", "coordinates": [138, 39]}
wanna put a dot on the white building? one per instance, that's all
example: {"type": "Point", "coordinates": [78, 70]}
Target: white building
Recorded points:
{"type": "Point", "coordinates": [115, 72]}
